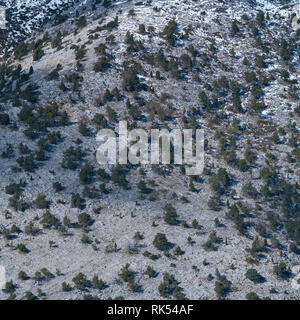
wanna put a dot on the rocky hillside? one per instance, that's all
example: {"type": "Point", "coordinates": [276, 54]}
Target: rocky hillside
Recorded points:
{"type": "Point", "coordinates": [72, 229]}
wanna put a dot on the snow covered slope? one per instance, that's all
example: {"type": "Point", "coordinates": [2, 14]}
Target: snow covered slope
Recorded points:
{"type": "Point", "coordinates": [25, 16]}
{"type": "Point", "coordinates": [217, 65]}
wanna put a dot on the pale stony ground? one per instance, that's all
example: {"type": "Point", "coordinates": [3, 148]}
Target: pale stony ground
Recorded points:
{"type": "Point", "coordinates": [71, 257]}
{"type": "Point", "coordinates": [114, 223]}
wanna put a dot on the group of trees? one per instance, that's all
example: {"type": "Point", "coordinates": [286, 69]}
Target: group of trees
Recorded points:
{"type": "Point", "coordinates": [170, 32]}
{"type": "Point", "coordinates": [131, 81]}
{"type": "Point", "coordinates": [103, 62]}
{"type": "Point", "coordinates": [220, 182]}
{"type": "Point", "coordinates": [280, 194]}
{"type": "Point", "coordinates": [128, 276]}
{"type": "Point", "coordinates": [222, 285]}
{"type": "Point", "coordinates": [132, 44]}
{"type": "Point", "coordinates": [40, 119]}
{"type": "Point", "coordinates": [170, 215]}
{"type": "Point", "coordinates": [72, 158]}
{"type": "Point", "coordinates": [170, 287]}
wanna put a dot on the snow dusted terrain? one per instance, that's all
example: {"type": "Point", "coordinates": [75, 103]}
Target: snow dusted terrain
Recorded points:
{"type": "Point", "coordinates": [26, 16]}
{"type": "Point", "coordinates": [209, 56]}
